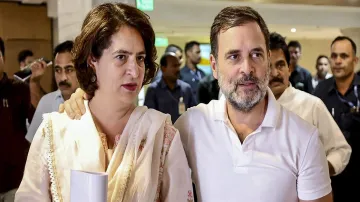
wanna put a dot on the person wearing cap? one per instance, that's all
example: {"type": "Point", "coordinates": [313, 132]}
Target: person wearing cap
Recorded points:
{"type": "Point", "coordinates": [169, 94]}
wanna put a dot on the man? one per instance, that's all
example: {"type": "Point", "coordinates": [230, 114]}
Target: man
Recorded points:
{"type": "Point", "coordinates": [169, 94]}
{"type": "Point", "coordinates": [307, 106]}
{"type": "Point", "coordinates": [15, 108]}
{"type": "Point", "coordinates": [248, 147]}
{"type": "Point", "coordinates": [174, 49]}
{"type": "Point", "coordinates": [65, 76]}
{"type": "Point", "coordinates": [190, 73]}
{"type": "Point", "coordinates": [341, 97]}
{"type": "Point", "coordinates": [322, 70]}
{"type": "Point", "coordinates": [300, 78]}
{"type": "Point", "coordinates": [25, 57]}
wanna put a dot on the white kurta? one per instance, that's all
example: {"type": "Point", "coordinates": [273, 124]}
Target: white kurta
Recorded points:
{"type": "Point", "coordinates": [148, 161]}
{"type": "Point", "coordinates": [314, 111]}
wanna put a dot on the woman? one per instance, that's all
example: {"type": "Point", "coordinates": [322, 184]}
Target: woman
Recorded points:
{"type": "Point", "coordinates": [137, 147]}
{"type": "Point", "coordinates": [322, 70]}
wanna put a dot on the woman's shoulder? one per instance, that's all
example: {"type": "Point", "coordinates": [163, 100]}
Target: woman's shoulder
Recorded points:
{"type": "Point", "coordinates": [59, 119]}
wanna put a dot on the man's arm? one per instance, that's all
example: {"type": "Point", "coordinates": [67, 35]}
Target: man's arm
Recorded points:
{"type": "Point", "coordinates": [337, 149]}
{"type": "Point", "coordinates": [36, 91]}
{"type": "Point", "coordinates": [150, 98]}
{"type": "Point", "coordinates": [36, 121]}
{"type": "Point", "coordinates": [308, 83]}
{"type": "Point", "coordinates": [26, 106]}
{"type": "Point", "coordinates": [313, 183]}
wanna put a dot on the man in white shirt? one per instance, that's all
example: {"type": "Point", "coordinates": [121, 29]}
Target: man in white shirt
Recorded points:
{"type": "Point", "coordinates": [66, 81]}
{"type": "Point", "coordinates": [307, 106]}
{"type": "Point", "coordinates": [248, 147]}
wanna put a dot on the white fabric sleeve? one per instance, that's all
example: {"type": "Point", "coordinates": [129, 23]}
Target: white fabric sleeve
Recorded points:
{"type": "Point", "coordinates": [313, 179]}
{"type": "Point", "coordinates": [337, 149]}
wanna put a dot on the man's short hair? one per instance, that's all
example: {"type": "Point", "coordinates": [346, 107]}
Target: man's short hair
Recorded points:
{"type": "Point", "coordinates": [190, 45]}
{"type": "Point", "coordinates": [235, 16]}
{"type": "Point", "coordinates": [342, 38]}
{"type": "Point", "coordinates": [173, 48]}
{"type": "Point", "coordinates": [24, 54]}
{"type": "Point", "coordinates": [64, 47]}
{"type": "Point", "coordinates": [278, 42]}
{"type": "Point", "coordinates": [2, 46]}
{"type": "Point", "coordinates": [295, 44]}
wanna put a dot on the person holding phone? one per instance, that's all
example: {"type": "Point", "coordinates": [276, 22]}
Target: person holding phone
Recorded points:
{"type": "Point", "coordinates": [67, 83]}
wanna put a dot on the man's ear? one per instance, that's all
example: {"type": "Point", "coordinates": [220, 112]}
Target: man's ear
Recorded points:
{"type": "Point", "coordinates": [213, 65]}
{"type": "Point", "coordinates": [356, 61]}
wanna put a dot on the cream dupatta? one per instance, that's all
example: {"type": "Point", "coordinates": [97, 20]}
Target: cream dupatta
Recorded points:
{"type": "Point", "coordinates": [136, 167]}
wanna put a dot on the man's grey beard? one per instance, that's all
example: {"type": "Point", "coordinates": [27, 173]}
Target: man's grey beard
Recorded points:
{"type": "Point", "coordinates": [244, 104]}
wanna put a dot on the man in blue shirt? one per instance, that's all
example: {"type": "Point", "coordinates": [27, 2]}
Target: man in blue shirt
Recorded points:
{"type": "Point", "coordinates": [190, 73]}
{"type": "Point", "coordinates": [169, 94]}
{"type": "Point", "coordinates": [300, 78]}
{"type": "Point", "coordinates": [67, 83]}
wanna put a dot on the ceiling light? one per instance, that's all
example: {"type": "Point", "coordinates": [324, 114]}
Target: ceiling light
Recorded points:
{"type": "Point", "coordinates": [293, 29]}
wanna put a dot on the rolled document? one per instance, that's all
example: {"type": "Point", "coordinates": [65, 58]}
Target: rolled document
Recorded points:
{"type": "Point", "coordinates": [88, 186]}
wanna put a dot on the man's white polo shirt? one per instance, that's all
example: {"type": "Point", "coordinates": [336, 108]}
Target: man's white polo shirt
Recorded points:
{"type": "Point", "coordinates": [281, 161]}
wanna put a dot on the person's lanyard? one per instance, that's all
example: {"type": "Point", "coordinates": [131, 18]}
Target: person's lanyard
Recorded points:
{"type": "Point", "coordinates": [351, 105]}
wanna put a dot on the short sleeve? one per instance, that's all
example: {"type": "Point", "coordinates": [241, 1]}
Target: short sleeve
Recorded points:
{"type": "Point", "coordinates": [313, 178]}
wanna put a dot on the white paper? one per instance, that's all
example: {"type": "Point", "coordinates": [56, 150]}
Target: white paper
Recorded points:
{"type": "Point", "coordinates": [88, 186]}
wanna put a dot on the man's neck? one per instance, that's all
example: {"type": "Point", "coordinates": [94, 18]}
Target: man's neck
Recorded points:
{"type": "Point", "coordinates": [65, 96]}
{"type": "Point", "coordinates": [170, 83]}
{"type": "Point", "coordinates": [344, 84]}
{"type": "Point", "coordinates": [292, 67]}
{"type": "Point", "coordinates": [246, 123]}
{"type": "Point", "coordinates": [191, 65]}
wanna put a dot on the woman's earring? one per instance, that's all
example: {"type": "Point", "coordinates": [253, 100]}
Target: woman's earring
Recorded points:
{"type": "Point", "coordinates": [93, 79]}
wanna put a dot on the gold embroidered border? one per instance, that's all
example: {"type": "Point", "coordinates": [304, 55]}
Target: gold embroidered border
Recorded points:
{"type": "Point", "coordinates": [55, 188]}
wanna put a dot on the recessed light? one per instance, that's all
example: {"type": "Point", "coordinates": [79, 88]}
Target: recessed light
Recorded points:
{"type": "Point", "coordinates": [293, 29]}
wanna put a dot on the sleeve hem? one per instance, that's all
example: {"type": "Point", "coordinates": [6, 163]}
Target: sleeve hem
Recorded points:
{"type": "Point", "coordinates": [315, 195]}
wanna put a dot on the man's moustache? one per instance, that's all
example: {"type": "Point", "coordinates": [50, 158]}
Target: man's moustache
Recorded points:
{"type": "Point", "coordinates": [64, 83]}
{"type": "Point", "coordinates": [277, 79]}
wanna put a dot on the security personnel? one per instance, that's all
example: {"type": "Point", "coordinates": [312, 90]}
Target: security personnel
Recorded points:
{"type": "Point", "coordinates": [341, 96]}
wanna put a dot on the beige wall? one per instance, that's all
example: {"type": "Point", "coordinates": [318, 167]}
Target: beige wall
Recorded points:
{"type": "Point", "coordinates": [25, 27]}
{"type": "Point", "coordinates": [311, 48]}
